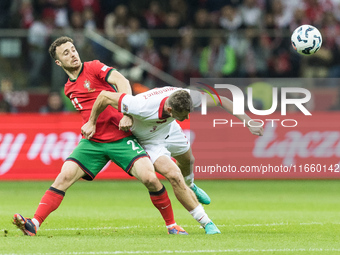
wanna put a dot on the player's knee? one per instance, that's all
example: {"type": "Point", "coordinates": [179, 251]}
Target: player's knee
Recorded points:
{"type": "Point", "coordinates": [150, 181]}
{"type": "Point", "coordinates": [65, 177]}
{"type": "Point", "coordinates": [174, 177]}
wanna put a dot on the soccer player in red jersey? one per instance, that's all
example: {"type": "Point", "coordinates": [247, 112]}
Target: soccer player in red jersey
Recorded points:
{"type": "Point", "coordinates": [86, 81]}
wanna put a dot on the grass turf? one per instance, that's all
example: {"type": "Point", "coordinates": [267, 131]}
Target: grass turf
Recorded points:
{"type": "Point", "coordinates": [117, 217]}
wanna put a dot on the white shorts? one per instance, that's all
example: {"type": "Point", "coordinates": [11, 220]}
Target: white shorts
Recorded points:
{"type": "Point", "coordinates": [173, 144]}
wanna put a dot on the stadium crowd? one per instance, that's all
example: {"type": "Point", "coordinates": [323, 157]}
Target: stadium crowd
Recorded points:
{"type": "Point", "coordinates": [185, 38]}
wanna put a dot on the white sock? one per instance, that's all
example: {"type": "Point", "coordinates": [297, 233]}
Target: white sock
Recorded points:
{"type": "Point", "coordinates": [189, 179]}
{"type": "Point", "coordinates": [36, 223]}
{"type": "Point", "coordinates": [199, 214]}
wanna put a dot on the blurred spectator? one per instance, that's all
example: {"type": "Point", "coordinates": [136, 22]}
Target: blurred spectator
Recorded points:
{"type": "Point", "coordinates": [217, 5]}
{"type": "Point", "coordinates": [314, 10]}
{"type": "Point", "coordinates": [217, 59]}
{"type": "Point", "coordinates": [80, 5]}
{"type": "Point", "coordinates": [77, 20]}
{"type": "Point", "coordinates": [180, 7]}
{"type": "Point", "coordinates": [154, 15]}
{"type": "Point", "coordinates": [336, 9]}
{"type": "Point", "coordinates": [164, 44]}
{"type": "Point", "coordinates": [330, 30]}
{"type": "Point", "coordinates": [5, 6]}
{"type": "Point", "coordinates": [279, 46]}
{"type": "Point", "coordinates": [201, 21]}
{"type": "Point", "coordinates": [251, 13]}
{"type": "Point", "coordinates": [122, 58]}
{"type": "Point", "coordinates": [150, 55]}
{"type": "Point", "coordinates": [26, 14]}
{"type": "Point", "coordinates": [252, 54]}
{"type": "Point", "coordinates": [54, 103]}
{"type": "Point", "coordinates": [76, 30]}
{"type": "Point", "coordinates": [282, 15]}
{"type": "Point", "coordinates": [299, 18]}
{"type": "Point", "coordinates": [4, 106]}
{"type": "Point", "coordinates": [230, 18]}
{"type": "Point", "coordinates": [61, 13]}
{"type": "Point", "coordinates": [89, 21]}
{"type": "Point", "coordinates": [38, 35]}
{"type": "Point", "coordinates": [116, 22]}
{"type": "Point", "coordinates": [334, 69]}
{"type": "Point", "coordinates": [183, 60]}
{"type": "Point", "coordinates": [137, 37]}
{"type": "Point", "coordinates": [6, 89]}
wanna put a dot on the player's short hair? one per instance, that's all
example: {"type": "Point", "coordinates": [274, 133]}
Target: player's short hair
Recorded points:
{"type": "Point", "coordinates": [60, 41]}
{"type": "Point", "coordinates": [180, 101]}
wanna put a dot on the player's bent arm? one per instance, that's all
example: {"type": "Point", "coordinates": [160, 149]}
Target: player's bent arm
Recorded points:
{"type": "Point", "coordinates": [104, 99]}
{"type": "Point", "coordinates": [123, 84]}
{"type": "Point", "coordinates": [227, 105]}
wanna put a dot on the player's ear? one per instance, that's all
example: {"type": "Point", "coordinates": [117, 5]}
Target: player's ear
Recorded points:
{"type": "Point", "coordinates": [58, 62]}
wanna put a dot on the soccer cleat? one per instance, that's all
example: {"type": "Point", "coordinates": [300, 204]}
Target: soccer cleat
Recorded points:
{"type": "Point", "coordinates": [211, 229]}
{"type": "Point", "coordinates": [202, 197]}
{"type": "Point", "coordinates": [25, 225]}
{"type": "Point", "coordinates": [176, 230]}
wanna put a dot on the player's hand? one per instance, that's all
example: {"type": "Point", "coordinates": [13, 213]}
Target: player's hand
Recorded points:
{"type": "Point", "coordinates": [258, 130]}
{"type": "Point", "coordinates": [126, 123]}
{"type": "Point", "coordinates": [88, 130]}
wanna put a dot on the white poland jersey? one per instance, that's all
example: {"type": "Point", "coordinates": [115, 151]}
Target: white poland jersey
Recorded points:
{"type": "Point", "coordinates": [147, 109]}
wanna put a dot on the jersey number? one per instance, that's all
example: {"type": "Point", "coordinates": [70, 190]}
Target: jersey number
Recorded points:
{"type": "Point", "coordinates": [76, 104]}
{"type": "Point", "coordinates": [135, 145]}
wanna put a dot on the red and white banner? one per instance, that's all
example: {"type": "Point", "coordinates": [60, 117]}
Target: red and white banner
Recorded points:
{"type": "Point", "coordinates": [310, 148]}
{"type": "Point", "coordinates": [34, 146]}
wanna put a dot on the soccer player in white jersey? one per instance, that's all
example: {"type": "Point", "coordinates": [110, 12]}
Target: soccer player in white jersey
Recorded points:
{"type": "Point", "coordinates": [154, 113]}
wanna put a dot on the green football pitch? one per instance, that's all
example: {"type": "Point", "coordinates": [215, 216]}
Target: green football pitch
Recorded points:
{"type": "Point", "coordinates": [117, 217]}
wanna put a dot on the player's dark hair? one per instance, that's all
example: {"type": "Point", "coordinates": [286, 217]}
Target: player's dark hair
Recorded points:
{"type": "Point", "coordinates": [57, 43]}
{"type": "Point", "coordinates": [180, 101]}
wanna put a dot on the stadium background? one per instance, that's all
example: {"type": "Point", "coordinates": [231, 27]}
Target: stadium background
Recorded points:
{"type": "Point", "coordinates": [158, 43]}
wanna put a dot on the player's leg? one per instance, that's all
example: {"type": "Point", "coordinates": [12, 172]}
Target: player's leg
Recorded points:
{"type": "Point", "coordinates": [143, 170]}
{"type": "Point", "coordinates": [131, 157]}
{"type": "Point", "coordinates": [70, 173]}
{"type": "Point", "coordinates": [51, 200]}
{"type": "Point", "coordinates": [165, 166]}
{"type": "Point", "coordinates": [178, 144]}
{"type": "Point", "coordinates": [185, 162]}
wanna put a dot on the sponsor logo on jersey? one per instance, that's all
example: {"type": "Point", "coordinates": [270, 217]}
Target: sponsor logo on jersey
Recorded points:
{"type": "Point", "coordinates": [87, 85]}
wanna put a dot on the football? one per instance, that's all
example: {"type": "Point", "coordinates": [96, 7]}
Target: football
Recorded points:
{"type": "Point", "coordinates": [306, 39]}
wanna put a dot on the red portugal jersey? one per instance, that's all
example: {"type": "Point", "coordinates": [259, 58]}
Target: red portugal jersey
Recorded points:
{"type": "Point", "coordinates": [83, 92]}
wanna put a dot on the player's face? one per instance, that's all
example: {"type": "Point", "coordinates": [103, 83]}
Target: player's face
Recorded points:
{"type": "Point", "coordinates": [68, 56]}
{"type": "Point", "coordinates": [180, 116]}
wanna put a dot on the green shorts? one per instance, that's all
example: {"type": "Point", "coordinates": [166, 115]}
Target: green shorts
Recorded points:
{"type": "Point", "coordinates": [92, 156]}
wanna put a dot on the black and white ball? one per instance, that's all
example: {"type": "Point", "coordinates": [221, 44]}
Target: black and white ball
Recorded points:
{"type": "Point", "coordinates": [306, 39]}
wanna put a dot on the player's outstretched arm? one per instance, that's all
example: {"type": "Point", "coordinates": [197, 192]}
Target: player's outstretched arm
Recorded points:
{"type": "Point", "coordinates": [227, 105]}
{"type": "Point", "coordinates": [104, 99]}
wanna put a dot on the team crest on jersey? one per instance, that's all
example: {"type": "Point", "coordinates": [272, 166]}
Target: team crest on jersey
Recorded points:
{"type": "Point", "coordinates": [87, 85]}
